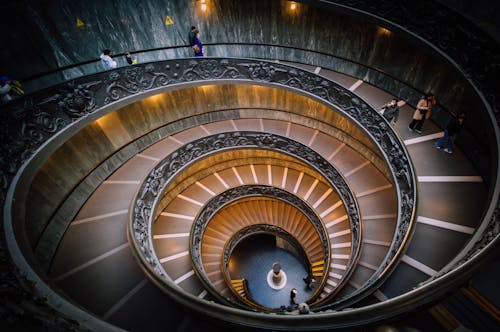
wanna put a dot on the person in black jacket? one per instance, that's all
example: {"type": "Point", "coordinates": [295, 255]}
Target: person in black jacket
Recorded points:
{"type": "Point", "coordinates": [450, 134]}
{"type": "Point", "coordinates": [391, 111]}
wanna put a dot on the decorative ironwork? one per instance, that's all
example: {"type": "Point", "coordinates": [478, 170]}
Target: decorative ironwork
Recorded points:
{"type": "Point", "coordinates": [158, 179]}
{"type": "Point", "coordinates": [215, 204]}
{"type": "Point", "coordinates": [249, 231]}
{"type": "Point", "coordinates": [33, 120]}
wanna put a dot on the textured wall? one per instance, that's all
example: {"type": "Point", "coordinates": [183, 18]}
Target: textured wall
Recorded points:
{"type": "Point", "coordinates": [43, 36]}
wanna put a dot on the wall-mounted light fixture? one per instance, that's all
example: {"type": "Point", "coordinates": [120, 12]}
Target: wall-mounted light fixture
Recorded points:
{"type": "Point", "coordinates": [203, 5]}
{"type": "Point", "coordinates": [293, 5]}
{"type": "Point", "coordinates": [384, 31]}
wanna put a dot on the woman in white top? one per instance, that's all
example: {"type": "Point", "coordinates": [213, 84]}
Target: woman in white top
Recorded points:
{"type": "Point", "coordinates": [107, 61]}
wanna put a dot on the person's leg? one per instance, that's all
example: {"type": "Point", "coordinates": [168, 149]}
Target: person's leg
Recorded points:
{"type": "Point", "coordinates": [418, 126]}
{"type": "Point", "coordinates": [449, 145]}
{"type": "Point", "coordinates": [439, 144]}
{"type": "Point", "coordinates": [412, 124]}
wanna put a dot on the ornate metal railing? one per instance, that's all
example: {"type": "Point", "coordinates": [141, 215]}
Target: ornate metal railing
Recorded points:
{"type": "Point", "coordinates": [230, 196]}
{"type": "Point", "coordinates": [470, 52]}
{"type": "Point", "coordinates": [241, 235]}
{"type": "Point", "coordinates": [31, 125]}
{"type": "Point", "coordinates": [159, 178]}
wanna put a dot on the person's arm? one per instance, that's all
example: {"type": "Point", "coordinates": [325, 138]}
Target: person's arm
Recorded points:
{"type": "Point", "coordinates": [422, 104]}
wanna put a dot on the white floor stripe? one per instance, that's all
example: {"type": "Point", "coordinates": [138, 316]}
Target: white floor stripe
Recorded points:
{"type": "Point", "coordinates": [368, 266]}
{"type": "Point", "coordinates": [338, 256]}
{"type": "Point", "coordinates": [203, 294]}
{"type": "Point", "coordinates": [341, 245]}
{"type": "Point", "coordinates": [322, 198]}
{"type": "Point", "coordinates": [254, 174]}
{"type": "Point", "coordinates": [331, 282]}
{"type": "Point", "coordinates": [221, 180]}
{"type": "Point", "coordinates": [423, 138]}
{"type": "Point", "coordinates": [380, 216]}
{"type": "Point", "coordinates": [380, 296]}
{"type": "Point", "coordinates": [170, 236]}
{"type": "Point", "coordinates": [190, 200]}
{"type": "Point", "coordinates": [311, 189]}
{"type": "Point", "coordinates": [172, 257]}
{"type": "Point", "coordinates": [354, 170]}
{"type": "Point", "coordinates": [374, 190]}
{"type": "Point", "coordinates": [285, 175]}
{"type": "Point", "coordinates": [336, 221]}
{"type": "Point", "coordinates": [338, 266]}
{"type": "Point", "coordinates": [355, 85]}
{"type": "Point", "coordinates": [90, 262]}
{"type": "Point", "coordinates": [121, 182]}
{"type": "Point", "coordinates": [269, 175]}
{"type": "Point", "coordinates": [330, 209]}
{"type": "Point", "coordinates": [205, 130]}
{"type": "Point", "coordinates": [175, 215]}
{"type": "Point", "coordinates": [450, 179]}
{"type": "Point", "coordinates": [377, 243]}
{"type": "Point", "coordinates": [288, 126]}
{"type": "Point", "coordinates": [147, 157]}
{"type": "Point", "coordinates": [313, 137]}
{"type": "Point", "coordinates": [297, 184]}
{"type": "Point", "coordinates": [218, 282]}
{"type": "Point", "coordinates": [317, 70]}
{"type": "Point", "coordinates": [99, 217]}
{"type": "Point", "coordinates": [445, 225]}
{"type": "Point", "coordinates": [202, 186]}
{"type": "Point", "coordinates": [233, 124]}
{"type": "Point", "coordinates": [337, 150]}
{"type": "Point", "coordinates": [235, 171]}
{"type": "Point", "coordinates": [419, 266]}
{"type": "Point", "coordinates": [172, 138]}
{"type": "Point", "coordinates": [335, 275]}
{"type": "Point", "coordinates": [183, 277]}
{"type": "Point", "coordinates": [124, 299]}
{"type": "Point", "coordinates": [341, 233]}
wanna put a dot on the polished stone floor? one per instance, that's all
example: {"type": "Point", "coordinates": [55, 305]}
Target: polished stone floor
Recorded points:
{"type": "Point", "coordinates": [253, 258]}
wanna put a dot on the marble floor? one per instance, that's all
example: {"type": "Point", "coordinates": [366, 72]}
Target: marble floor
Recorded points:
{"type": "Point", "coordinates": [253, 258]}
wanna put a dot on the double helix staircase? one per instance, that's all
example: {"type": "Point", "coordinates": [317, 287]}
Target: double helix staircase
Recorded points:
{"type": "Point", "coordinates": [94, 253]}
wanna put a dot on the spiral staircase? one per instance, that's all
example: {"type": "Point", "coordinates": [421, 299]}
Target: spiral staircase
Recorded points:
{"type": "Point", "coordinates": [169, 165]}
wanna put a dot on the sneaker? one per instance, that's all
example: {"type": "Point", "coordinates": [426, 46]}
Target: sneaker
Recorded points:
{"type": "Point", "coordinates": [418, 131]}
{"type": "Point", "coordinates": [410, 129]}
{"type": "Point", "coordinates": [437, 147]}
{"type": "Point", "coordinates": [448, 151]}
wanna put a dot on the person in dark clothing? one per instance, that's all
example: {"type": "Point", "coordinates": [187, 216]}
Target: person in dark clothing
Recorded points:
{"type": "Point", "coordinates": [450, 133]}
{"type": "Point", "coordinates": [130, 60]}
{"type": "Point", "coordinates": [293, 296]}
{"type": "Point", "coordinates": [391, 111]}
{"type": "Point", "coordinates": [192, 33]}
{"type": "Point", "coordinates": [309, 279]}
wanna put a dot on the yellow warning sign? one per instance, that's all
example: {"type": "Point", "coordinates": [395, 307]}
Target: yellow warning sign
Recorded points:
{"type": "Point", "coordinates": [169, 21]}
{"type": "Point", "coordinates": [79, 23]}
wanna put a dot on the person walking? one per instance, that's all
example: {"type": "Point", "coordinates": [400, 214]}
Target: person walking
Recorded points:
{"type": "Point", "coordinates": [391, 111]}
{"type": "Point", "coordinates": [422, 113]}
{"type": "Point", "coordinates": [195, 42]}
{"type": "Point", "coordinates": [293, 296]}
{"type": "Point", "coordinates": [450, 133]}
{"type": "Point", "coordinates": [107, 61]}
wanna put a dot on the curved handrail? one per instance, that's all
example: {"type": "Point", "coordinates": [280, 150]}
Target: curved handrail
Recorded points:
{"type": "Point", "coordinates": [241, 235]}
{"type": "Point", "coordinates": [39, 117]}
{"type": "Point", "coordinates": [217, 203]}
